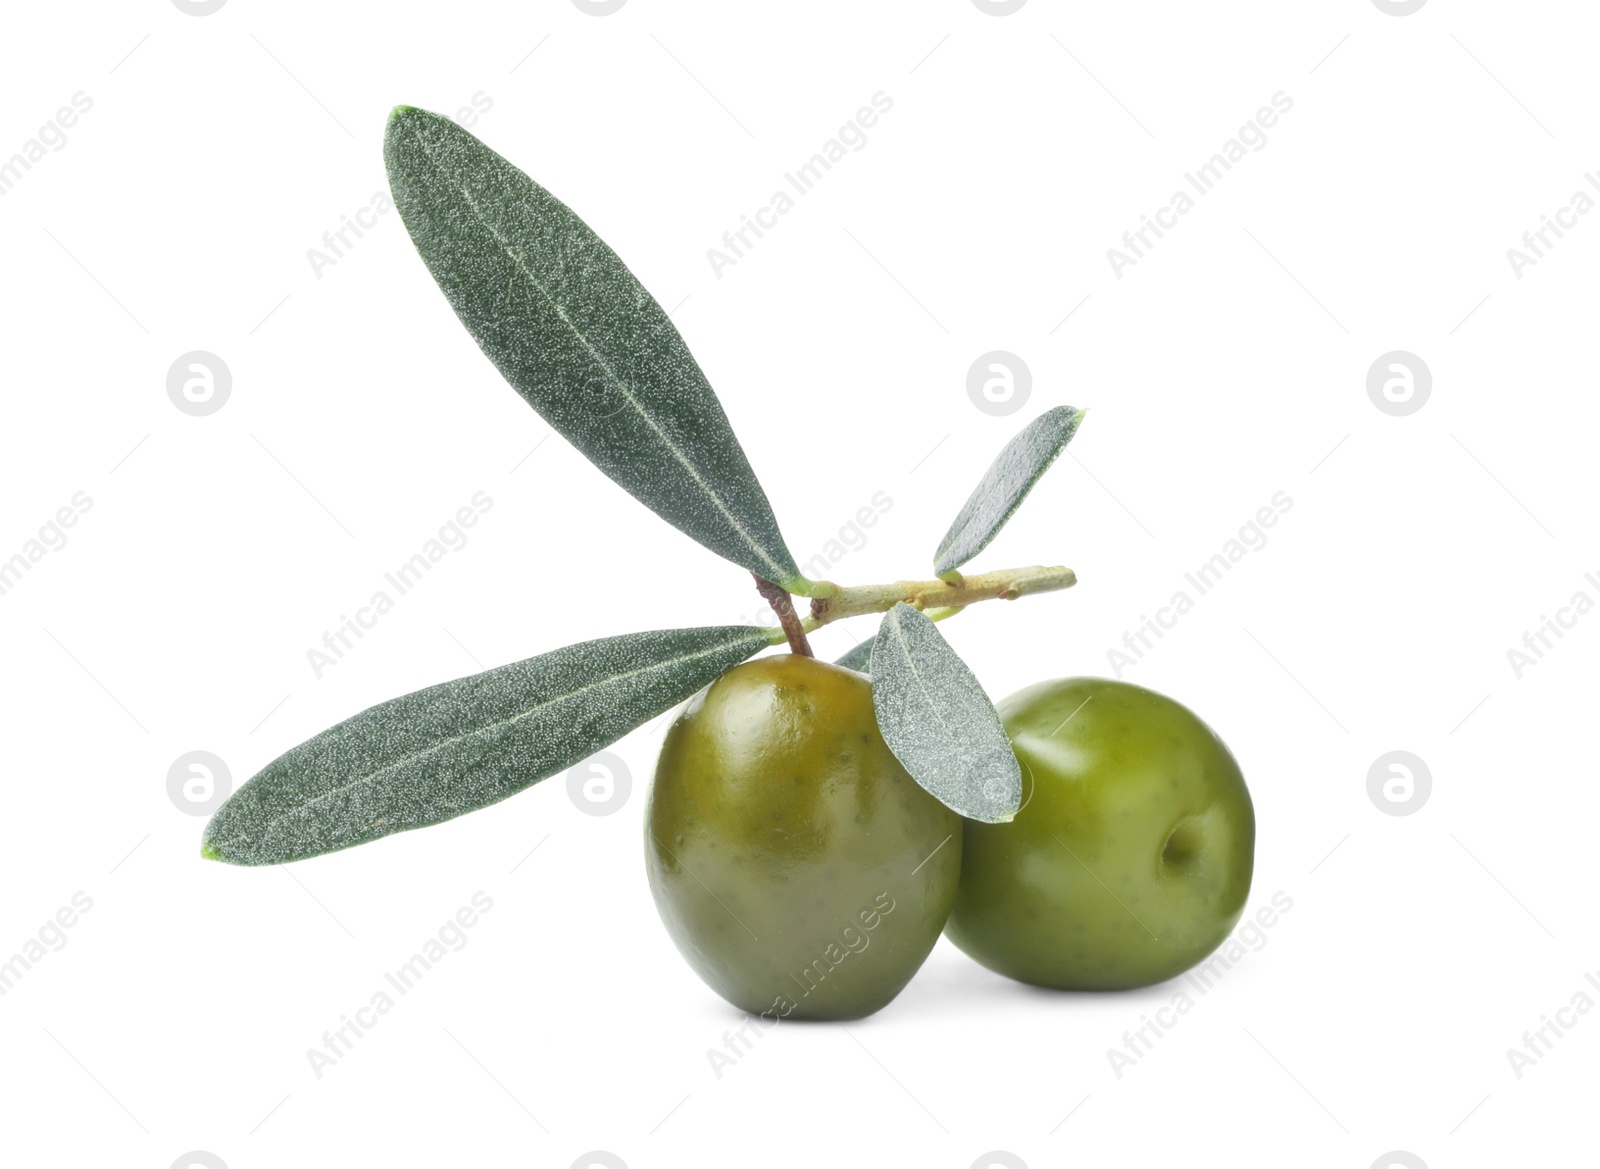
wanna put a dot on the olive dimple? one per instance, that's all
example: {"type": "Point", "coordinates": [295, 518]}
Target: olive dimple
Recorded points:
{"type": "Point", "coordinates": [1053, 898]}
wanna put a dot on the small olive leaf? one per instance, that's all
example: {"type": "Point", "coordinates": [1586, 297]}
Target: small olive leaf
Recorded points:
{"type": "Point", "coordinates": [938, 721]}
{"type": "Point", "coordinates": [1005, 485]}
{"type": "Point", "coordinates": [456, 747]}
{"type": "Point", "coordinates": [580, 338]}
{"type": "Point", "coordinates": [859, 658]}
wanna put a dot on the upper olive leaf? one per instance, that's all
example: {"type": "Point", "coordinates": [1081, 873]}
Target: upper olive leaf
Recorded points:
{"type": "Point", "coordinates": [1005, 485]}
{"type": "Point", "coordinates": [462, 745]}
{"type": "Point", "coordinates": [578, 336]}
{"type": "Point", "coordinates": [859, 658]}
{"type": "Point", "coordinates": [938, 721]}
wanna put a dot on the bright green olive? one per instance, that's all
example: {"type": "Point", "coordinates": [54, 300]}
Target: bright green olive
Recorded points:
{"type": "Point", "coordinates": [1131, 856]}
{"type": "Point", "coordinates": [798, 867]}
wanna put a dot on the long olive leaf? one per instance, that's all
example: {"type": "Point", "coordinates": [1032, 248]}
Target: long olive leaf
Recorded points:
{"type": "Point", "coordinates": [462, 745]}
{"type": "Point", "coordinates": [577, 335]}
{"type": "Point", "coordinates": [939, 723]}
{"type": "Point", "coordinates": [1005, 485]}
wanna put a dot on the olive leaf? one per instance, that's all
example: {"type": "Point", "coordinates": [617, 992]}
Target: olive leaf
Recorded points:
{"type": "Point", "coordinates": [859, 658]}
{"type": "Point", "coordinates": [462, 745]}
{"type": "Point", "coordinates": [938, 721]}
{"type": "Point", "coordinates": [580, 338]}
{"type": "Point", "coordinates": [1005, 485]}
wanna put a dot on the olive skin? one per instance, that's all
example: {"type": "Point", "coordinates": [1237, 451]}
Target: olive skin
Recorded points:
{"type": "Point", "coordinates": [800, 870]}
{"type": "Point", "coordinates": [1130, 859]}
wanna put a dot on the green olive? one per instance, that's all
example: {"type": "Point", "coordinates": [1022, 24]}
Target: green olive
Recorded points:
{"type": "Point", "coordinates": [800, 870]}
{"type": "Point", "coordinates": [1130, 859]}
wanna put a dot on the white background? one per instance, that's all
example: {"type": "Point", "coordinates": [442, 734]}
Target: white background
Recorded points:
{"type": "Point", "coordinates": [1227, 365]}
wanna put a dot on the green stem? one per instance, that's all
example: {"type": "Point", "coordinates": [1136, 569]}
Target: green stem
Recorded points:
{"type": "Point", "coordinates": [800, 586]}
{"type": "Point", "coordinates": [938, 598]}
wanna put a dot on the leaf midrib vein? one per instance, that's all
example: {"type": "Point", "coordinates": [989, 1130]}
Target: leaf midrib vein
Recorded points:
{"type": "Point", "coordinates": [1012, 495]}
{"type": "Point", "coordinates": [916, 676]}
{"type": "Point", "coordinates": [682, 459]}
{"type": "Point", "coordinates": [491, 728]}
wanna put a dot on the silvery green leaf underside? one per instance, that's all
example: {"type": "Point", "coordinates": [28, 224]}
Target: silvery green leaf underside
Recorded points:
{"type": "Point", "coordinates": [579, 337]}
{"type": "Point", "coordinates": [1005, 485]}
{"type": "Point", "coordinates": [859, 658]}
{"type": "Point", "coordinates": [462, 745]}
{"type": "Point", "coordinates": [938, 721]}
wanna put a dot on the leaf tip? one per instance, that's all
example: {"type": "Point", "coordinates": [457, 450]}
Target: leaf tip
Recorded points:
{"type": "Point", "coordinates": [990, 816]}
{"type": "Point", "coordinates": [402, 117]}
{"type": "Point", "coordinates": [214, 849]}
